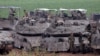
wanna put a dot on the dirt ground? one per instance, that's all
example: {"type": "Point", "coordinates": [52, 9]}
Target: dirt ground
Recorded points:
{"type": "Point", "coordinates": [23, 53]}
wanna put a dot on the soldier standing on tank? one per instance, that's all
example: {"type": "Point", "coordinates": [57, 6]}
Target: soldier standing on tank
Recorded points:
{"type": "Point", "coordinates": [71, 41]}
{"type": "Point", "coordinates": [26, 16]}
{"type": "Point", "coordinates": [11, 16]}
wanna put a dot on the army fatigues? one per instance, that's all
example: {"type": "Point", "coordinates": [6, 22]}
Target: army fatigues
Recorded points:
{"type": "Point", "coordinates": [71, 41]}
{"type": "Point", "coordinates": [11, 16]}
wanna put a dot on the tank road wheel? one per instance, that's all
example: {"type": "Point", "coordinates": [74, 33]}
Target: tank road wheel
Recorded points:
{"type": "Point", "coordinates": [43, 47]}
{"type": "Point", "coordinates": [27, 47]}
{"type": "Point", "coordinates": [17, 44]}
{"type": "Point", "coordinates": [5, 49]}
{"type": "Point", "coordinates": [8, 48]}
{"type": "Point", "coordinates": [2, 49]}
{"type": "Point", "coordinates": [67, 46]}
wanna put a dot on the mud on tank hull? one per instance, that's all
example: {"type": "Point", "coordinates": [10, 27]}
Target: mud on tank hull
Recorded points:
{"type": "Point", "coordinates": [62, 43]}
{"type": "Point", "coordinates": [5, 48]}
{"type": "Point", "coordinates": [27, 43]}
{"type": "Point", "coordinates": [6, 41]}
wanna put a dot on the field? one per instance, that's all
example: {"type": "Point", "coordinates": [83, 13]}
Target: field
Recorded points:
{"type": "Point", "coordinates": [16, 52]}
{"type": "Point", "coordinates": [91, 5]}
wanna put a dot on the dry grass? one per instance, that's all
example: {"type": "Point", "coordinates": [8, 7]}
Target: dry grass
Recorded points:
{"type": "Point", "coordinates": [37, 53]}
{"type": "Point", "coordinates": [16, 52]}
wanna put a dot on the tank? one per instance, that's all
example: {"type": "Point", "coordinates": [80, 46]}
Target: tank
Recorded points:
{"type": "Point", "coordinates": [73, 30]}
{"type": "Point", "coordinates": [6, 41]}
{"type": "Point", "coordinates": [10, 21]}
{"type": "Point", "coordinates": [6, 30]}
{"type": "Point", "coordinates": [28, 33]}
{"type": "Point", "coordinates": [57, 32]}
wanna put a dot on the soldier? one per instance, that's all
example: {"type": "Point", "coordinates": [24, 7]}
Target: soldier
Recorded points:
{"type": "Point", "coordinates": [81, 43]}
{"type": "Point", "coordinates": [11, 16]}
{"type": "Point", "coordinates": [74, 14]}
{"type": "Point", "coordinates": [31, 13]}
{"type": "Point", "coordinates": [71, 41]}
{"type": "Point", "coordinates": [26, 16]}
{"type": "Point", "coordinates": [12, 11]}
{"type": "Point", "coordinates": [64, 15]}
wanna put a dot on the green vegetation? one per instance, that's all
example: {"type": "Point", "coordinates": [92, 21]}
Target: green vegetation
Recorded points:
{"type": "Point", "coordinates": [91, 5]}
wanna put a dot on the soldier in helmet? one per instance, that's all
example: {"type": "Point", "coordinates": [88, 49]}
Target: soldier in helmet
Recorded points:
{"type": "Point", "coordinates": [11, 16]}
{"type": "Point", "coordinates": [74, 14]}
{"type": "Point", "coordinates": [71, 41]}
{"type": "Point", "coordinates": [64, 15]}
{"type": "Point", "coordinates": [26, 16]}
{"type": "Point", "coordinates": [81, 42]}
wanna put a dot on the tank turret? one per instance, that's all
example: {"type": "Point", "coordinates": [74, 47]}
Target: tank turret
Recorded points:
{"type": "Point", "coordinates": [31, 26]}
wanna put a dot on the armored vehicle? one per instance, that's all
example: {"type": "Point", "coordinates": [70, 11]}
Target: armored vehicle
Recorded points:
{"type": "Point", "coordinates": [6, 41]}
{"type": "Point", "coordinates": [28, 32]}
{"type": "Point", "coordinates": [73, 30]}
{"type": "Point", "coordinates": [70, 33]}
{"type": "Point", "coordinates": [64, 34]}
{"type": "Point", "coordinates": [6, 30]}
{"type": "Point", "coordinates": [59, 32]}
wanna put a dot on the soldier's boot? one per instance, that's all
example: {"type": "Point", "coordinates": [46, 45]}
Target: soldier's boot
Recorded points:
{"type": "Point", "coordinates": [83, 49]}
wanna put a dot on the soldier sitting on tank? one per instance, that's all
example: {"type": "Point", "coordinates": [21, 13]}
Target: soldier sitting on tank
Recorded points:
{"type": "Point", "coordinates": [60, 21]}
{"type": "Point", "coordinates": [31, 22]}
{"type": "Point", "coordinates": [31, 13]}
{"type": "Point", "coordinates": [45, 14]}
{"type": "Point", "coordinates": [74, 14]}
{"type": "Point", "coordinates": [26, 16]}
{"type": "Point", "coordinates": [81, 15]}
{"type": "Point", "coordinates": [64, 15]}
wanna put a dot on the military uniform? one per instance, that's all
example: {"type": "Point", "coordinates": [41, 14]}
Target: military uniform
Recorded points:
{"type": "Point", "coordinates": [12, 15]}
{"type": "Point", "coordinates": [71, 41]}
{"type": "Point", "coordinates": [81, 42]}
